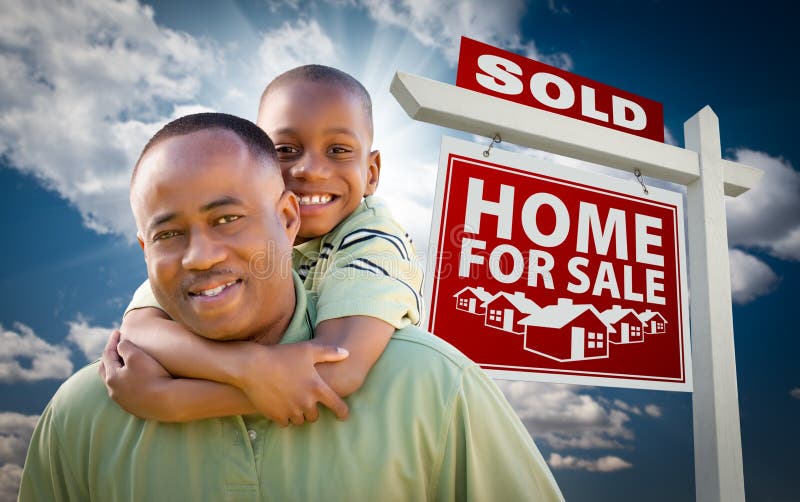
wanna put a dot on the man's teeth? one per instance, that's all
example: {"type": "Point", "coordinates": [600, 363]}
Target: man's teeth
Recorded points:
{"type": "Point", "coordinates": [217, 290]}
{"type": "Point", "coordinates": [307, 200]}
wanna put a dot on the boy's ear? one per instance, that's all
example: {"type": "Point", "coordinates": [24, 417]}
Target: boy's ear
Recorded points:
{"type": "Point", "coordinates": [373, 172]}
{"type": "Point", "coordinates": [289, 214]}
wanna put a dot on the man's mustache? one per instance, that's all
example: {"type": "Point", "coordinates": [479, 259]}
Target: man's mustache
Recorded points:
{"type": "Point", "coordinates": [207, 276]}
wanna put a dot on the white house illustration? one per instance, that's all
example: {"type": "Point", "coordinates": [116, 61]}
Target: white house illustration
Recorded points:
{"type": "Point", "coordinates": [471, 300]}
{"type": "Point", "coordinates": [505, 311]}
{"type": "Point", "coordinates": [654, 323]}
{"type": "Point", "coordinates": [567, 332]}
{"type": "Point", "coordinates": [626, 323]}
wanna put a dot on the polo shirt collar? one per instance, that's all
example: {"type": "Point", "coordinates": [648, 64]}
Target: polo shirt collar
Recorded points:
{"type": "Point", "coordinates": [301, 326]}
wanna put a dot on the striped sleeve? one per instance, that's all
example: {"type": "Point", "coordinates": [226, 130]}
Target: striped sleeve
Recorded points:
{"type": "Point", "coordinates": [373, 272]}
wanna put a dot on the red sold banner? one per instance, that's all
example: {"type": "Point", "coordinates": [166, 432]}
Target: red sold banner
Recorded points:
{"type": "Point", "coordinates": [551, 273]}
{"type": "Point", "coordinates": [489, 70]}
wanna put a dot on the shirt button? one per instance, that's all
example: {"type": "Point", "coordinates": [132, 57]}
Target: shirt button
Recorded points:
{"type": "Point", "coordinates": [252, 434]}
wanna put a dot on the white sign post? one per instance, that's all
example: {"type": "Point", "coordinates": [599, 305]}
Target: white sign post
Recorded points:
{"type": "Point", "coordinates": [708, 177]}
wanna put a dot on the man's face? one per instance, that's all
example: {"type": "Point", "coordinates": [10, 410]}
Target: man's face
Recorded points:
{"type": "Point", "coordinates": [323, 137]}
{"type": "Point", "coordinates": [216, 228]}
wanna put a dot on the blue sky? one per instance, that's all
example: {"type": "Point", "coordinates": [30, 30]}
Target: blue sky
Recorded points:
{"type": "Point", "coordinates": [85, 85]}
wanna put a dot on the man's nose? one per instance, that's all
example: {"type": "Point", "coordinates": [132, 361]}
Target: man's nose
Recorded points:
{"type": "Point", "coordinates": [204, 251]}
{"type": "Point", "coordinates": [310, 168]}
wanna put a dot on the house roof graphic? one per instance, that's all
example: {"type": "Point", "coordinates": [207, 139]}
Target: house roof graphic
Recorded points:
{"type": "Point", "coordinates": [648, 314]}
{"type": "Point", "coordinates": [481, 293]}
{"type": "Point", "coordinates": [518, 300]}
{"type": "Point", "coordinates": [559, 315]}
{"type": "Point", "coordinates": [615, 313]}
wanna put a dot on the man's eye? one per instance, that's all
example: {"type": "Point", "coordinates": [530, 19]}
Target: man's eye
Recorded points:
{"type": "Point", "coordinates": [165, 235]}
{"type": "Point", "coordinates": [228, 218]}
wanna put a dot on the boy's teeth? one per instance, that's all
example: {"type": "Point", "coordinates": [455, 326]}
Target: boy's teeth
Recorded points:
{"type": "Point", "coordinates": [307, 200]}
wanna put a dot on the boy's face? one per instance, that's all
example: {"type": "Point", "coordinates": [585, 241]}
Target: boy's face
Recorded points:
{"type": "Point", "coordinates": [323, 138]}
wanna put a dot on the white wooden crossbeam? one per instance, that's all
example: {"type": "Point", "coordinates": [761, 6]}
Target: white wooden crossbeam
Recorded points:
{"type": "Point", "coordinates": [457, 108]}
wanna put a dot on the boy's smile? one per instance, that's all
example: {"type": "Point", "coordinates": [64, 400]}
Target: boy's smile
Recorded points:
{"type": "Point", "coordinates": [323, 136]}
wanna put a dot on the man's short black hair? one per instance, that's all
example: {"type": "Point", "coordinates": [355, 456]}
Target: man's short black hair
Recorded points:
{"type": "Point", "coordinates": [326, 75]}
{"type": "Point", "coordinates": [258, 143]}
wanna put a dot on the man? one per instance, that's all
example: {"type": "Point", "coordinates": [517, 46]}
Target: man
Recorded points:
{"type": "Point", "coordinates": [427, 424]}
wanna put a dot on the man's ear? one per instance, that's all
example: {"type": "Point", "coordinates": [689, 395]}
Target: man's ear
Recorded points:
{"type": "Point", "coordinates": [373, 172]}
{"type": "Point", "coordinates": [288, 210]}
{"type": "Point", "coordinates": [141, 245]}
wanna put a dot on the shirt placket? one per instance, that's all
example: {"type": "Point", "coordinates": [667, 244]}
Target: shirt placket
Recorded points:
{"type": "Point", "coordinates": [240, 466]}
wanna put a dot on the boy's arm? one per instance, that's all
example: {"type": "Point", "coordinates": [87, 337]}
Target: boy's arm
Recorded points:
{"type": "Point", "coordinates": [370, 288]}
{"type": "Point", "coordinates": [280, 381]}
{"type": "Point", "coordinates": [142, 387]}
{"type": "Point", "coordinates": [364, 337]}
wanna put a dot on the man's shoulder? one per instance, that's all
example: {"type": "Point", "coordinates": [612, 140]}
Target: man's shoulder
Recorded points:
{"type": "Point", "coordinates": [419, 348]}
{"type": "Point", "coordinates": [83, 391]}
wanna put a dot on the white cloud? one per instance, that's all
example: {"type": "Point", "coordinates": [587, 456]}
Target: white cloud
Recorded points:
{"type": "Point", "coordinates": [768, 216]}
{"type": "Point", "coordinates": [26, 358]}
{"type": "Point", "coordinates": [84, 86]}
{"type": "Point", "coordinates": [10, 476]}
{"type": "Point", "coordinates": [15, 435]}
{"type": "Point", "coordinates": [602, 464]}
{"type": "Point", "coordinates": [411, 203]}
{"type": "Point", "coordinates": [440, 24]}
{"type": "Point", "coordinates": [294, 44]}
{"type": "Point", "coordinates": [564, 418]}
{"type": "Point", "coordinates": [626, 407]}
{"type": "Point", "coordinates": [750, 277]}
{"type": "Point", "coordinates": [89, 339]}
{"type": "Point", "coordinates": [669, 138]}
{"type": "Point", "coordinates": [795, 393]}
{"type": "Point", "coordinates": [653, 410]}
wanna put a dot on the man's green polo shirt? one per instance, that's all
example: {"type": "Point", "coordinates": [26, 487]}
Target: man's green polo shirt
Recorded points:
{"type": "Point", "coordinates": [427, 425]}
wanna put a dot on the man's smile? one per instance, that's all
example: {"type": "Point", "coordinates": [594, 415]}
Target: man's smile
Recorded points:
{"type": "Point", "coordinates": [214, 290]}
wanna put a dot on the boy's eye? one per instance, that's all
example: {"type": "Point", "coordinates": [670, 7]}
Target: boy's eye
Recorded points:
{"type": "Point", "coordinates": [287, 150]}
{"type": "Point", "coordinates": [167, 234]}
{"type": "Point", "coordinates": [338, 149]}
{"type": "Point", "coordinates": [228, 218]}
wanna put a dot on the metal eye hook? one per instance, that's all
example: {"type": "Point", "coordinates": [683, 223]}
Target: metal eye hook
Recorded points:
{"type": "Point", "coordinates": [638, 174]}
{"type": "Point", "coordinates": [496, 139]}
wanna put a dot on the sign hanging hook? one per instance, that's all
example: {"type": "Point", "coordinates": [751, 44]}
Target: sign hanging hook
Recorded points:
{"type": "Point", "coordinates": [496, 139]}
{"type": "Point", "coordinates": [638, 174]}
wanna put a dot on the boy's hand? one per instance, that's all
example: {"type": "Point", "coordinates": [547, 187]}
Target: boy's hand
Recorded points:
{"type": "Point", "coordinates": [134, 379]}
{"type": "Point", "coordinates": [282, 382]}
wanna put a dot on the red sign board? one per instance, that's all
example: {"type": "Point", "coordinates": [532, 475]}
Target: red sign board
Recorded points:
{"type": "Point", "coordinates": [552, 273]}
{"type": "Point", "coordinates": [506, 75]}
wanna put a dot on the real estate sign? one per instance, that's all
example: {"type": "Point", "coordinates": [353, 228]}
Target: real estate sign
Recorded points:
{"type": "Point", "coordinates": [547, 272]}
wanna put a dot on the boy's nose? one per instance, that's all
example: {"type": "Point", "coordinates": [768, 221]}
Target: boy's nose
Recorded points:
{"type": "Point", "coordinates": [309, 168]}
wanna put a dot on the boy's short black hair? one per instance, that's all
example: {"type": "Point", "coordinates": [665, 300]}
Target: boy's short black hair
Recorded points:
{"type": "Point", "coordinates": [329, 75]}
{"type": "Point", "coordinates": [258, 143]}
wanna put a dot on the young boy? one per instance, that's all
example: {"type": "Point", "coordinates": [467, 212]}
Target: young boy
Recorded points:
{"type": "Point", "coordinates": [349, 251]}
